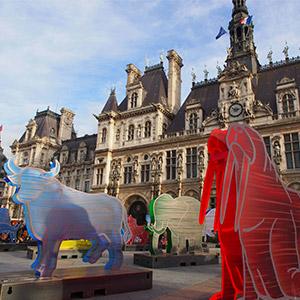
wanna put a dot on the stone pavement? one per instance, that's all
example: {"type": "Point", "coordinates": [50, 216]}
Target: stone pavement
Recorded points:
{"type": "Point", "coordinates": [192, 282]}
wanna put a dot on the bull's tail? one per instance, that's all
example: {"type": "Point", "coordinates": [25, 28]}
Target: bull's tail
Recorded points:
{"type": "Point", "coordinates": [126, 233]}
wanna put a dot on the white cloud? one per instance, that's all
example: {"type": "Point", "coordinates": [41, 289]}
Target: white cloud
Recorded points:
{"type": "Point", "coordinates": [71, 52]}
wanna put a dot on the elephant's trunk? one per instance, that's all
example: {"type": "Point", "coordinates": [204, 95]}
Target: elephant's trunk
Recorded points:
{"type": "Point", "coordinates": [208, 181]}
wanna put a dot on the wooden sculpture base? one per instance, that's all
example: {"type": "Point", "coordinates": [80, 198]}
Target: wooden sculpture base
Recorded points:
{"type": "Point", "coordinates": [170, 260]}
{"type": "Point", "coordinates": [73, 283]}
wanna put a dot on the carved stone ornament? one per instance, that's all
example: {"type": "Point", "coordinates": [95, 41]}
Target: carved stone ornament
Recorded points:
{"type": "Point", "coordinates": [234, 69]}
{"type": "Point", "coordinates": [234, 91]}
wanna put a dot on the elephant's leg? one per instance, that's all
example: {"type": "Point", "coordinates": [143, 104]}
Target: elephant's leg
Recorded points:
{"type": "Point", "coordinates": [115, 252]}
{"type": "Point", "coordinates": [259, 259]}
{"type": "Point", "coordinates": [36, 264]}
{"type": "Point", "coordinates": [154, 243]}
{"type": "Point", "coordinates": [48, 260]}
{"type": "Point", "coordinates": [182, 245]}
{"type": "Point", "coordinates": [285, 255]}
{"type": "Point", "coordinates": [175, 244]}
{"type": "Point", "coordinates": [249, 290]}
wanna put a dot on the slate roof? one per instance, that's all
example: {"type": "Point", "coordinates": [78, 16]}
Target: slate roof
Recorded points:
{"type": "Point", "coordinates": [74, 144]}
{"type": "Point", "coordinates": [155, 83]}
{"type": "Point", "coordinates": [205, 93]}
{"type": "Point", "coordinates": [46, 120]}
{"type": "Point", "coordinates": [111, 103]}
{"type": "Point", "coordinates": [268, 77]}
{"type": "Point", "coordinates": [264, 87]}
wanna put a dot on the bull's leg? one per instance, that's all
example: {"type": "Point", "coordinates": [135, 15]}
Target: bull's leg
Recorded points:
{"type": "Point", "coordinates": [115, 252]}
{"type": "Point", "coordinates": [50, 250]}
{"type": "Point", "coordinates": [36, 264]}
{"type": "Point", "coordinates": [99, 245]}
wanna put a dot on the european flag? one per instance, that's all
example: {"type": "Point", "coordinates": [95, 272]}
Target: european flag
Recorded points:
{"type": "Point", "coordinates": [222, 31]}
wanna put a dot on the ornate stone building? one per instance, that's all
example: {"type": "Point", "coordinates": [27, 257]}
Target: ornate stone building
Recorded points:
{"type": "Point", "coordinates": [149, 143]}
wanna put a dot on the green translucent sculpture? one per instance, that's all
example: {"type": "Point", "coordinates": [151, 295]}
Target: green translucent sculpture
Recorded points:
{"type": "Point", "coordinates": [179, 219]}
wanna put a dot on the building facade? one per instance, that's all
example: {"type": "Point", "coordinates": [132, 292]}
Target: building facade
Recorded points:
{"type": "Point", "coordinates": [150, 143]}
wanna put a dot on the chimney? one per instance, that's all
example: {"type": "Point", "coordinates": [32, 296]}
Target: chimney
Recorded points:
{"type": "Point", "coordinates": [133, 74]}
{"type": "Point", "coordinates": [174, 80]}
{"type": "Point", "coordinates": [65, 124]}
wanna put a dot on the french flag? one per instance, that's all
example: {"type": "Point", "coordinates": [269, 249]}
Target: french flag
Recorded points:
{"type": "Point", "coordinates": [246, 21]}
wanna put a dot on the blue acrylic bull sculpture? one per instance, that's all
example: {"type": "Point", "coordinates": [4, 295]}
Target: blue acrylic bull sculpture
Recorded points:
{"type": "Point", "coordinates": [54, 212]}
{"type": "Point", "coordinates": [6, 227]}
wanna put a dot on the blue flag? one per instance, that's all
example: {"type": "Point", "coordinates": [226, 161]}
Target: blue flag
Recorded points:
{"type": "Point", "coordinates": [222, 31]}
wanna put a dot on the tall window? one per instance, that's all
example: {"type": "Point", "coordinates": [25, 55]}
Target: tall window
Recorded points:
{"type": "Point", "coordinates": [25, 158]}
{"type": "Point", "coordinates": [171, 164]}
{"type": "Point", "coordinates": [147, 129]}
{"type": "Point", "coordinates": [193, 121]}
{"type": "Point", "coordinates": [133, 101]}
{"type": "Point", "coordinates": [87, 186]}
{"type": "Point", "coordinates": [292, 150]}
{"type": "Point", "coordinates": [165, 126]}
{"type": "Point", "coordinates": [288, 104]}
{"type": "Point", "coordinates": [99, 176]}
{"type": "Point", "coordinates": [191, 162]}
{"type": "Point", "coordinates": [42, 158]}
{"type": "Point", "coordinates": [130, 132]}
{"type": "Point", "coordinates": [267, 141]}
{"type": "Point", "coordinates": [77, 184]}
{"type": "Point", "coordinates": [104, 134]}
{"type": "Point", "coordinates": [145, 173]}
{"type": "Point", "coordinates": [127, 175]}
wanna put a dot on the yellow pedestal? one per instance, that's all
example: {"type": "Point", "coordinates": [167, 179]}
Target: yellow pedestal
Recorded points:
{"type": "Point", "coordinates": [75, 245]}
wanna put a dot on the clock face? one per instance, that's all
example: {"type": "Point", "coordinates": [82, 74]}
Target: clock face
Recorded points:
{"type": "Point", "coordinates": [235, 109]}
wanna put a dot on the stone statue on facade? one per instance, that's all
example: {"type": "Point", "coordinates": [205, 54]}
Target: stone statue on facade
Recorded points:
{"type": "Point", "coordinates": [234, 91]}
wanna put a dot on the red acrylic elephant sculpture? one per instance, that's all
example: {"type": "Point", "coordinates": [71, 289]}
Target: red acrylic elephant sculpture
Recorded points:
{"type": "Point", "coordinates": [261, 213]}
{"type": "Point", "coordinates": [232, 264]}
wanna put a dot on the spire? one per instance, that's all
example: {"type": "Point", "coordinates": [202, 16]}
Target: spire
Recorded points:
{"type": "Point", "coordinates": [111, 103]}
{"type": "Point", "coordinates": [239, 6]}
{"type": "Point", "coordinates": [242, 46]}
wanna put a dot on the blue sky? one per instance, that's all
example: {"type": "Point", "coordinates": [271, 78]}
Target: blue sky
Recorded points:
{"type": "Point", "coordinates": [71, 52]}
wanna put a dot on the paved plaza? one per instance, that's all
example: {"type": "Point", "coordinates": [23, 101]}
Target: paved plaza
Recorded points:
{"type": "Point", "coordinates": [194, 282]}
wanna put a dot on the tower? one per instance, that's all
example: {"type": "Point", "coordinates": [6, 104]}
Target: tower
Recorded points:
{"type": "Point", "coordinates": [242, 47]}
{"type": "Point", "coordinates": [174, 80]}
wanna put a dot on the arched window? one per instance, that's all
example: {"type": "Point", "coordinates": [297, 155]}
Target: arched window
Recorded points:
{"type": "Point", "coordinates": [193, 121]}
{"type": "Point", "coordinates": [288, 105]}
{"type": "Point", "coordinates": [130, 132]}
{"type": "Point", "coordinates": [133, 102]}
{"type": "Point", "coordinates": [147, 129]}
{"type": "Point", "coordinates": [104, 134]}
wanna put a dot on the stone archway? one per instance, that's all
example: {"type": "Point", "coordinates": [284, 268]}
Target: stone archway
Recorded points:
{"type": "Point", "coordinates": [192, 193]}
{"type": "Point", "coordinates": [171, 193]}
{"type": "Point", "coordinates": [295, 185]}
{"type": "Point", "coordinates": [137, 206]}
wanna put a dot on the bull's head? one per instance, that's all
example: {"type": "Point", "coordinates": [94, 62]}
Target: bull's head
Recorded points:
{"type": "Point", "coordinates": [29, 182]}
{"type": "Point", "coordinates": [241, 154]}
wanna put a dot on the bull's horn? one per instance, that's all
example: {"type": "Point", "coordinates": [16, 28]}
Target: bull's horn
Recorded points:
{"type": "Point", "coordinates": [11, 168]}
{"type": "Point", "coordinates": [54, 168]}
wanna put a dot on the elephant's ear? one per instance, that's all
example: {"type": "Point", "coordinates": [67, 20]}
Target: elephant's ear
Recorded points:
{"type": "Point", "coordinates": [208, 181]}
{"type": "Point", "coordinates": [151, 209]}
